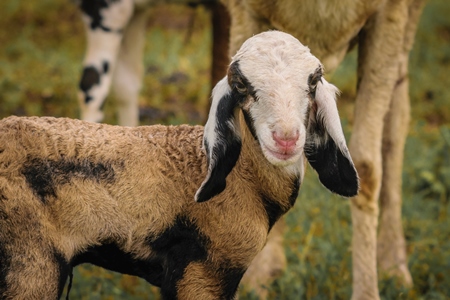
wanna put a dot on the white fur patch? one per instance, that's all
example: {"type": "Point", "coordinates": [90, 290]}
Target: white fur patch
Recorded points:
{"type": "Point", "coordinates": [327, 110]}
{"type": "Point", "coordinates": [278, 66]}
{"type": "Point", "coordinates": [210, 133]}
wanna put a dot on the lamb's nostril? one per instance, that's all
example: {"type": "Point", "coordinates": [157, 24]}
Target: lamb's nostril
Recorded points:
{"type": "Point", "coordinates": [287, 140]}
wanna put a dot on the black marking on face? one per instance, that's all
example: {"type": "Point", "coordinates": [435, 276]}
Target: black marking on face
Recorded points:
{"type": "Point", "coordinates": [111, 257]}
{"type": "Point", "coordinates": [63, 271]}
{"type": "Point", "coordinates": [239, 83]}
{"type": "Point", "coordinates": [43, 175]}
{"type": "Point", "coordinates": [93, 8]}
{"type": "Point", "coordinates": [313, 79]}
{"type": "Point", "coordinates": [242, 87]}
{"type": "Point", "coordinates": [178, 246]}
{"type": "Point", "coordinates": [273, 208]}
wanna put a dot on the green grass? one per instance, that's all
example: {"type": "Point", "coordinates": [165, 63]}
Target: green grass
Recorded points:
{"type": "Point", "coordinates": [42, 46]}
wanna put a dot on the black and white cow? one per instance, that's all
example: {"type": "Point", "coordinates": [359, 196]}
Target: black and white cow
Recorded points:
{"type": "Point", "coordinates": [115, 31]}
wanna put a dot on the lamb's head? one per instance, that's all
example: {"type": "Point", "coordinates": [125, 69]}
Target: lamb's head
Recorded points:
{"type": "Point", "coordinates": [289, 108]}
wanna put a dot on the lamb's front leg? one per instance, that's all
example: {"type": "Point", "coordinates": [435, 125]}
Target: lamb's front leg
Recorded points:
{"type": "Point", "coordinates": [269, 264]}
{"type": "Point", "coordinates": [202, 281]}
{"type": "Point", "coordinates": [105, 23]}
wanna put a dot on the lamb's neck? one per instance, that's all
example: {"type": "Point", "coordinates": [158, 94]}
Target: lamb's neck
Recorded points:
{"type": "Point", "coordinates": [275, 182]}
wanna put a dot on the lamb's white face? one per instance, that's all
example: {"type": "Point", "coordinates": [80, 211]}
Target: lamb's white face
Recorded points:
{"type": "Point", "coordinates": [278, 100]}
{"type": "Point", "coordinates": [289, 109]}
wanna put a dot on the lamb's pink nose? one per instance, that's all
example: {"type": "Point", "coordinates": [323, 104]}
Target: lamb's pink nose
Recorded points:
{"type": "Point", "coordinates": [286, 142]}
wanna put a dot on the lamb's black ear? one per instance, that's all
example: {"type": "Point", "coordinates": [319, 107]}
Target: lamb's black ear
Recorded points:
{"type": "Point", "coordinates": [221, 140]}
{"type": "Point", "coordinates": [325, 148]}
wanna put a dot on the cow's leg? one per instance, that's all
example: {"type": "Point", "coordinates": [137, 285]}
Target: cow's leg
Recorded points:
{"type": "Point", "coordinates": [105, 23]}
{"type": "Point", "coordinates": [127, 79]}
{"type": "Point", "coordinates": [239, 15]}
{"type": "Point", "coordinates": [391, 248]}
{"type": "Point", "coordinates": [391, 251]}
{"type": "Point", "coordinates": [380, 46]}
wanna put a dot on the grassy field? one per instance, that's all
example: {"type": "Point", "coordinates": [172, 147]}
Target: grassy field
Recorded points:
{"type": "Point", "coordinates": [41, 49]}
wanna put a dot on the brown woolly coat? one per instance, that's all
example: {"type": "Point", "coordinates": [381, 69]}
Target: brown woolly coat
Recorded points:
{"type": "Point", "coordinates": [123, 198]}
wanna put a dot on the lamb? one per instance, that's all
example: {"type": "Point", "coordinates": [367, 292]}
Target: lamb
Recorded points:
{"type": "Point", "coordinates": [122, 198]}
{"type": "Point", "coordinates": [384, 30]}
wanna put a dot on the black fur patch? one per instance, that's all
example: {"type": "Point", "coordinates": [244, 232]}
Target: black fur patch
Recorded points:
{"type": "Point", "coordinates": [237, 78]}
{"type": "Point", "coordinates": [44, 175]}
{"type": "Point", "coordinates": [230, 282]}
{"type": "Point", "coordinates": [239, 83]}
{"type": "Point", "coordinates": [4, 267]}
{"type": "Point", "coordinates": [89, 78]}
{"type": "Point", "coordinates": [176, 247]}
{"type": "Point", "coordinates": [63, 271]}
{"type": "Point", "coordinates": [93, 8]}
{"type": "Point", "coordinates": [111, 257]}
{"type": "Point", "coordinates": [295, 189]}
{"type": "Point", "coordinates": [226, 152]}
{"type": "Point", "coordinates": [105, 67]}
{"type": "Point", "coordinates": [336, 171]}
{"type": "Point", "coordinates": [274, 210]}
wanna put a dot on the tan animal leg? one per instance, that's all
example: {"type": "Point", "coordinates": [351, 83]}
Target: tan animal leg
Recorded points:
{"type": "Point", "coordinates": [391, 248]}
{"type": "Point", "coordinates": [268, 264]}
{"type": "Point", "coordinates": [391, 251]}
{"type": "Point", "coordinates": [35, 270]}
{"type": "Point", "coordinates": [241, 15]}
{"type": "Point", "coordinates": [380, 44]}
{"type": "Point", "coordinates": [207, 283]}
{"type": "Point", "coordinates": [127, 80]}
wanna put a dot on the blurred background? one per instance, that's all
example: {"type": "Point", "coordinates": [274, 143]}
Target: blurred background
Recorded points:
{"type": "Point", "coordinates": [41, 49]}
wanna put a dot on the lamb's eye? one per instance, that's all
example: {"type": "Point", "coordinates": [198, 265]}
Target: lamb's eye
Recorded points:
{"type": "Point", "coordinates": [313, 79]}
{"type": "Point", "coordinates": [240, 87]}
{"type": "Point", "coordinates": [312, 84]}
